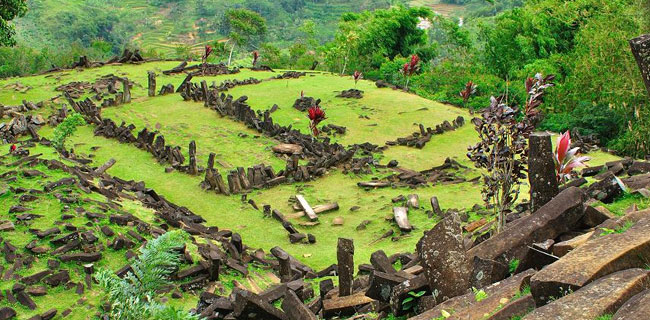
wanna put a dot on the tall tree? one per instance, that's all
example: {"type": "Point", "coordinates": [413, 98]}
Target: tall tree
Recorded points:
{"type": "Point", "coordinates": [243, 27]}
{"type": "Point", "coordinates": [10, 9]}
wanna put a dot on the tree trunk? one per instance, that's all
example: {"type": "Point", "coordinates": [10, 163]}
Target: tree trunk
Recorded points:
{"type": "Point", "coordinates": [230, 56]}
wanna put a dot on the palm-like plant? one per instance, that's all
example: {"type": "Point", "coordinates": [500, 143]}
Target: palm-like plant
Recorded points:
{"type": "Point", "coordinates": [206, 54]}
{"type": "Point", "coordinates": [133, 296]}
{"type": "Point", "coordinates": [566, 158]}
{"type": "Point", "coordinates": [256, 56]}
{"type": "Point", "coordinates": [357, 76]}
{"type": "Point", "coordinates": [470, 90]}
{"type": "Point", "coordinates": [316, 115]}
{"type": "Point", "coordinates": [410, 68]}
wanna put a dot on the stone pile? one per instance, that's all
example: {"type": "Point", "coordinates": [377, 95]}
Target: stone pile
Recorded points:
{"type": "Point", "coordinates": [402, 177]}
{"type": "Point", "coordinates": [20, 125]}
{"type": "Point", "coordinates": [85, 245]}
{"type": "Point", "coordinates": [203, 69]}
{"type": "Point", "coordinates": [291, 75]}
{"type": "Point", "coordinates": [128, 56]}
{"type": "Point", "coordinates": [303, 104]}
{"type": "Point", "coordinates": [351, 93]}
{"type": "Point", "coordinates": [419, 139]}
{"type": "Point", "coordinates": [231, 83]}
{"type": "Point", "coordinates": [26, 106]}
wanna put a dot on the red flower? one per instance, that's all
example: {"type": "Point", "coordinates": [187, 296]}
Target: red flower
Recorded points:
{"type": "Point", "coordinates": [12, 148]}
{"type": "Point", "coordinates": [256, 55]}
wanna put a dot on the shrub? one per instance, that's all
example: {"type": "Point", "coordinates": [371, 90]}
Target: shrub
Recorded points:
{"type": "Point", "coordinates": [587, 118]}
{"type": "Point", "coordinates": [65, 129]}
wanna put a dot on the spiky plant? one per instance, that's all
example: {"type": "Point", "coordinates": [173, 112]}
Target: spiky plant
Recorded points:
{"type": "Point", "coordinates": [410, 68]}
{"type": "Point", "coordinates": [256, 55]}
{"type": "Point", "coordinates": [206, 54]}
{"type": "Point", "coordinates": [315, 115]}
{"type": "Point", "coordinates": [357, 76]}
{"type": "Point", "coordinates": [133, 296]}
{"type": "Point", "coordinates": [470, 90]}
{"type": "Point", "coordinates": [566, 158]}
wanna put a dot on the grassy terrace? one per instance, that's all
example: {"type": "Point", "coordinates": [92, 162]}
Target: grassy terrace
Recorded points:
{"type": "Point", "coordinates": [391, 114]}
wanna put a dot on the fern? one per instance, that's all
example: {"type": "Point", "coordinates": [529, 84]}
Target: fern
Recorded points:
{"type": "Point", "coordinates": [133, 296]}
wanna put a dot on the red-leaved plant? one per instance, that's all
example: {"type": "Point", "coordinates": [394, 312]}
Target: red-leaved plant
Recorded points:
{"type": "Point", "coordinates": [357, 76]}
{"type": "Point", "coordinates": [256, 56]}
{"type": "Point", "coordinates": [502, 150]}
{"type": "Point", "coordinates": [470, 90]}
{"type": "Point", "coordinates": [206, 54]}
{"type": "Point", "coordinates": [410, 68]}
{"type": "Point", "coordinates": [566, 158]}
{"type": "Point", "coordinates": [316, 115]}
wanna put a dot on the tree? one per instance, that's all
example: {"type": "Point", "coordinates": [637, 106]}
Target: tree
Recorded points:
{"type": "Point", "coordinates": [132, 297]}
{"type": "Point", "coordinates": [10, 9]}
{"type": "Point", "coordinates": [243, 27]}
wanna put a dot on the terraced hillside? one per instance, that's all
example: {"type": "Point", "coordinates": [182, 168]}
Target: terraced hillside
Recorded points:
{"type": "Point", "coordinates": [165, 26]}
{"type": "Point", "coordinates": [386, 170]}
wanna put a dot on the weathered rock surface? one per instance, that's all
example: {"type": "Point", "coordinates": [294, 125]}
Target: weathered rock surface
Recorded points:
{"type": "Point", "coordinates": [638, 307]}
{"type": "Point", "coordinates": [556, 217]}
{"type": "Point", "coordinates": [603, 296]}
{"type": "Point", "coordinates": [443, 257]}
{"type": "Point", "coordinates": [594, 259]}
{"type": "Point", "coordinates": [466, 306]}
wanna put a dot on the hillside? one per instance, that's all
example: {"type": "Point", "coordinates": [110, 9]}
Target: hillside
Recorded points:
{"type": "Point", "coordinates": [160, 27]}
{"type": "Point", "coordinates": [364, 214]}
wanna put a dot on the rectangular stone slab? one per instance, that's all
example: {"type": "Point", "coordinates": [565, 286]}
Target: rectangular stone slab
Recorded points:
{"type": "Point", "coordinates": [596, 258]}
{"type": "Point", "coordinates": [638, 307]}
{"type": "Point", "coordinates": [554, 218]}
{"type": "Point", "coordinates": [345, 306]}
{"type": "Point", "coordinates": [603, 296]}
{"type": "Point", "coordinates": [460, 303]}
{"type": "Point", "coordinates": [305, 206]}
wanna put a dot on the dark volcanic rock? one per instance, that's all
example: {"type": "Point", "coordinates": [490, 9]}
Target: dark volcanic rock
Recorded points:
{"type": "Point", "coordinates": [443, 257]}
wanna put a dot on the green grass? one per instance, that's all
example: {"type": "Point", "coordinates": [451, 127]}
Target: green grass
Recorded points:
{"type": "Point", "coordinates": [392, 114]}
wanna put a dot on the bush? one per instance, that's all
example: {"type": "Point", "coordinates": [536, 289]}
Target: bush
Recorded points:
{"type": "Point", "coordinates": [587, 118]}
{"type": "Point", "coordinates": [65, 129]}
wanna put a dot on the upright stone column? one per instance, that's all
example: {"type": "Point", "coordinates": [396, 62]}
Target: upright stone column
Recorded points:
{"type": "Point", "coordinates": [152, 83]}
{"type": "Point", "coordinates": [193, 169]}
{"type": "Point", "coordinates": [127, 91]}
{"type": "Point", "coordinates": [541, 170]}
{"type": "Point", "coordinates": [641, 50]}
{"type": "Point", "coordinates": [345, 259]}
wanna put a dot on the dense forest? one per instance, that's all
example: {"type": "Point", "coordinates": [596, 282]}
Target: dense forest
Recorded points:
{"type": "Point", "coordinates": [496, 45]}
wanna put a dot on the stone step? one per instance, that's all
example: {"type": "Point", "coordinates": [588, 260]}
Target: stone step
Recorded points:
{"type": "Point", "coordinates": [603, 296]}
{"type": "Point", "coordinates": [594, 259]}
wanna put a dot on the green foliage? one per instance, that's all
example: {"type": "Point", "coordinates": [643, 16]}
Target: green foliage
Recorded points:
{"type": "Point", "coordinates": [365, 40]}
{"type": "Point", "coordinates": [513, 265]}
{"type": "Point", "coordinates": [133, 296]}
{"type": "Point", "coordinates": [243, 26]}
{"type": "Point", "coordinates": [412, 300]}
{"type": "Point", "coordinates": [10, 9]}
{"type": "Point", "coordinates": [479, 295]}
{"type": "Point", "coordinates": [605, 317]}
{"type": "Point", "coordinates": [627, 225]}
{"type": "Point", "coordinates": [587, 118]}
{"type": "Point", "coordinates": [65, 129]}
